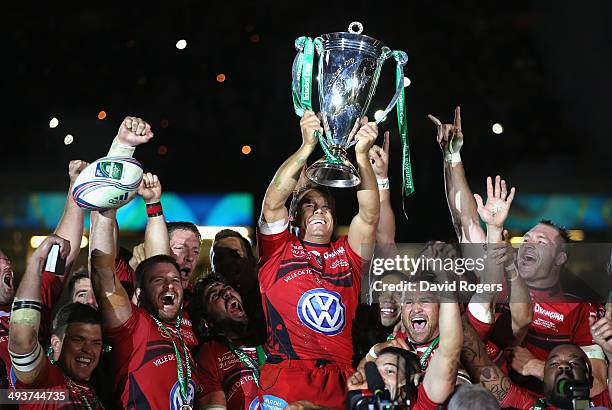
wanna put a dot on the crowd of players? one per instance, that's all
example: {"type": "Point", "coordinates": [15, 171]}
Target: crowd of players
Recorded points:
{"type": "Point", "coordinates": [285, 325]}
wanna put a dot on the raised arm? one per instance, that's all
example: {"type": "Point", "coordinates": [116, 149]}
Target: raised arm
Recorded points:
{"type": "Point", "coordinates": [25, 351]}
{"type": "Point", "coordinates": [70, 225]}
{"type": "Point", "coordinates": [476, 361]}
{"type": "Point", "coordinates": [157, 240]}
{"type": "Point", "coordinates": [458, 194]}
{"type": "Point", "coordinates": [362, 231]}
{"type": "Point", "coordinates": [601, 330]}
{"type": "Point", "coordinates": [113, 301]}
{"type": "Point", "coordinates": [379, 157]}
{"type": "Point", "coordinates": [286, 177]}
{"type": "Point", "coordinates": [441, 374]}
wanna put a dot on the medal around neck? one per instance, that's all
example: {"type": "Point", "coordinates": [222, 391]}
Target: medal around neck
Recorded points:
{"type": "Point", "coordinates": [348, 71]}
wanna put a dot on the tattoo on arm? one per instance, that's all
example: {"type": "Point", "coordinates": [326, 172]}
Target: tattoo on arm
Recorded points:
{"type": "Point", "coordinates": [480, 367]}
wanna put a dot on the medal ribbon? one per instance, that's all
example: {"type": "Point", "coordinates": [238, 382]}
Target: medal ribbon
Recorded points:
{"type": "Point", "coordinates": [407, 181]}
{"type": "Point", "coordinates": [183, 381]}
{"type": "Point", "coordinates": [248, 362]}
{"type": "Point", "coordinates": [428, 351]}
{"type": "Point", "coordinates": [302, 97]}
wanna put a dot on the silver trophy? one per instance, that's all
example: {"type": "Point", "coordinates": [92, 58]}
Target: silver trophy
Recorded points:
{"type": "Point", "coordinates": [348, 70]}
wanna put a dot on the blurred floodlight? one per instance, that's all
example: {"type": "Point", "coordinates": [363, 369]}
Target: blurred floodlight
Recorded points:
{"type": "Point", "coordinates": [209, 232]}
{"type": "Point", "coordinates": [68, 139]}
{"type": "Point", "coordinates": [497, 128]}
{"type": "Point", "coordinates": [378, 115]}
{"type": "Point", "coordinates": [53, 123]}
{"type": "Point", "coordinates": [181, 44]}
{"type": "Point", "coordinates": [406, 81]}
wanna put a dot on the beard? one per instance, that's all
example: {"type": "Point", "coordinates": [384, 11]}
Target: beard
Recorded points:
{"type": "Point", "coordinates": [231, 328]}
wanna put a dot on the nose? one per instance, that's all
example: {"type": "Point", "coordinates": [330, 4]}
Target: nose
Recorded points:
{"type": "Point", "coordinates": [564, 367]}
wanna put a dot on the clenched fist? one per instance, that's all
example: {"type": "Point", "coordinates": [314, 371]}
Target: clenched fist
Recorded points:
{"type": "Point", "coordinates": [134, 131]}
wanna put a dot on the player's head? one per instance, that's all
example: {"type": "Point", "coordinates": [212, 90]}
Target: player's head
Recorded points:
{"type": "Point", "coordinates": [390, 301]}
{"type": "Point", "coordinates": [221, 308]}
{"type": "Point", "coordinates": [420, 309]}
{"type": "Point", "coordinates": [543, 254]}
{"type": "Point", "coordinates": [80, 290]}
{"type": "Point", "coordinates": [76, 340]}
{"type": "Point", "coordinates": [185, 240]}
{"type": "Point", "coordinates": [314, 214]}
{"type": "Point", "coordinates": [565, 362]}
{"type": "Point", "coordinates": [396, 365]}
{"type": "Point", "coordinates": [158, 279]}
{"type": "Point", "coordinates": [472, 396]}
{"type": "Point", "coordinates": [231, 256]}
{"type": "Point", "coordinates": [7, 290]}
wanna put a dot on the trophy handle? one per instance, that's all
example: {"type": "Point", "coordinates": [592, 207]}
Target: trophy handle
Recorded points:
{"type": "Point", "coordinates": [401, 59]}
{"type": "Point", "coordinates": [296, 76]}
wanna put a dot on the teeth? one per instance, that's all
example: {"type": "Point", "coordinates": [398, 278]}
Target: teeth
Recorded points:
{"type": "Point", "coordinates": [317, 222]}
{"type": "Point", "coordinates": [83, 360]}
{"type": "Point", "coordinates": [387, 310]}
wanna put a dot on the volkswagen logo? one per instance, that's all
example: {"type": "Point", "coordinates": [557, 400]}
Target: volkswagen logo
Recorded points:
{"type": "Point", "coordinates": [322, 311]}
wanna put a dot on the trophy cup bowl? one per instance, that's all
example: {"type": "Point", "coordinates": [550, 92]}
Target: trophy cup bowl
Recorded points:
{"type": "Point", "coordinates": [349, 67]}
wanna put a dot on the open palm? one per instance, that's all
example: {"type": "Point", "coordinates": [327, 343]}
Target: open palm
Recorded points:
{"type": "Point", "coordinates": [495, 211]}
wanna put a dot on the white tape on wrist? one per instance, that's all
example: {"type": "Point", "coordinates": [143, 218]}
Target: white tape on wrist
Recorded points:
{"type": "Point", "coordinates": [372, 353]}
{"type": "Point", "coordinates": [452, 158]}
{"type": "Point", "coordinates": [119, 150]}
{"type": "Point", "coordinates": [481, 313]}
{"type": "Point", "coordinates": [594, 352]}
{"type": "Point", "coordinates": [272, 228]}
{"type": "Point", "coordinates": [382, 183]}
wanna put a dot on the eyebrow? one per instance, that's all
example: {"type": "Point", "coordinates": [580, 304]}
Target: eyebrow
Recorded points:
{"type": "Point", "coordinates": [390, 364]}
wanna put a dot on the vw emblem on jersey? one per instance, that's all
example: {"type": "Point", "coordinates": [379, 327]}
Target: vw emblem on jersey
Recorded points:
{"type": "Point", "coordinates": [270, 403]}
{"type": "Point", "coordinates": [176, 400]}
{"type": "Point", "coordinates": [322, 311]}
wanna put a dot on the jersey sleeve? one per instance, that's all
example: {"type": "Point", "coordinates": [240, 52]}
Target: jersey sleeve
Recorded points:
{"type": "Point", "coordinates": [209, 369]}
{"type": "Point", "coordinates": [422, 400]}
{"type": "Point", "coordinates": [358, 264]}
{"type": "Point", "coordinates": [518, 397]}
{"type": "Point", "coordinates": [48, 377]}
{"type": "Point", "coordinates": [271, 242]}
{"type": "Point", "coordinates": [483, 329]}
{"type": "Point", "coordinates": [581, 334]}
{"type": "Point", "coordinates": [126, 338]}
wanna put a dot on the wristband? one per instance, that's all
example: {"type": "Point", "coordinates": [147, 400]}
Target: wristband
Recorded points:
{"type": "Point", "coordinates": [154, 210]}
{"type": "Point", "coordinates": [383, 183]}
{"type": "Point", "coordinates": [452, 158]}
{"type": "Point", "coordinates": [372, 353]}
{"type": "Point", "coordinates": [119, 150]}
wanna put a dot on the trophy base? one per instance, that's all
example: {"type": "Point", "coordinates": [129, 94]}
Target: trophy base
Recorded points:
{"type": "Point", "coordinates": [333, 175]}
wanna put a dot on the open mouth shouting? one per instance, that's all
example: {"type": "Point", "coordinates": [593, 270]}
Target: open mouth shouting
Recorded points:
{"type": "Point", "coordinates": [168, 299]}
{"type": "Point", "coordinates": [418, 323]}
{"type": "Point", "coordinates": [528, 256]}
{"type": "Point", "coordinates": [234, 307]}
{"type": "Point", "coordinates": [317, 221]}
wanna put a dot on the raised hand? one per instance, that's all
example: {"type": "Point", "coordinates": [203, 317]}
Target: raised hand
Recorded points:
{"type": "Point", "coordinates": [309, 124]}
{"type": "Point", "coordinates": [601, 330]}
{"type": "Point", "coordinates": [495, 211]}
{"type": "Point", "coordinates": [366, 136]}
{"type": "Point", "coordinates": [379, 157]}
{"type": "Point", "coordinates": [75, 167]}
{"type": "Point", "coordinates": [150, 188]}
{"type": "Point", "coordinates": [449, 136]}
{"type": "Point", "coordinates": [134, 131]}
{"type": "Point", "coordinates": [43, 250]}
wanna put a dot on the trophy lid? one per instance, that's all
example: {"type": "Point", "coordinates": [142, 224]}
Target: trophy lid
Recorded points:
{"type": "Point", "coordinates": [353, 40]}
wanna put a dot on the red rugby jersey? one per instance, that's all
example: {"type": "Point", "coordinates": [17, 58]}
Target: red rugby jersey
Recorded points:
{"type": "Point", "coordinates": [222, 371]}
{"type": "Point", "coordinates": [556, 321]}
{"type": "Point", "coordinates": [5, 316]}
{"type": "Point", "coordinates": [52, 378]}
{"type": "Point", "coordinates": [521, 398]}
{"type": "Point", "coordinates": [144, 362]}
{"type": "Point", "coordinates": [310, 293]}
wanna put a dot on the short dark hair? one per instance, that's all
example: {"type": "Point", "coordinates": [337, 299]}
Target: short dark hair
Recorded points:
{"type": "Point", "coordinates": [73, 313]}
{"type": "Point", "coordinates": [184, 226]}
{"type": "Point", "coordinates": [230, 233]}
{"type": "Point", "coordinates": [146, 265]}
{"type": "Point", "coordinates": [412, 364]}
{"type": "Point", "coordinates": [294, 208]}
{"type": "Point", "coordinates": [76, 276]}
{"type": "Point", "coordinates": [563, 233]}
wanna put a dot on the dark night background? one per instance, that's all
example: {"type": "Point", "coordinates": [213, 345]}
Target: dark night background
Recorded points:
{"type": "Point", "coordinates": [541, 69]}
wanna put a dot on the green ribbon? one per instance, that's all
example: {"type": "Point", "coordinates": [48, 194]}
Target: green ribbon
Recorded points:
{"type": "Point", "coordinates": [179, 362]}
{"type": "Point", "coordinates": [539, 404]}
{"type": "Point", "coordinates": [303, 101]}
{"type": "Point", "coordinates": [428, 351]}
{"type": "Point", "coordinates": [407, 181]}
{"type": "Point", "coordinates": [247, 361]}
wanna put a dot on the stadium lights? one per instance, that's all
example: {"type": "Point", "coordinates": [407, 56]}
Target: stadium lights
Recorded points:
{"type": "Point", "coordinates": [181, 44]}
{"type": "Point", "coordinates": [378, 115]}
{"type": "Point", "coordinates": [576, 234]}
{"type": "Point", "coordinates": [209, 232]}
{"type": "Point", "coordinates": [497, 128]}
{"type": "Point", "coordinates": [53, 123]}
